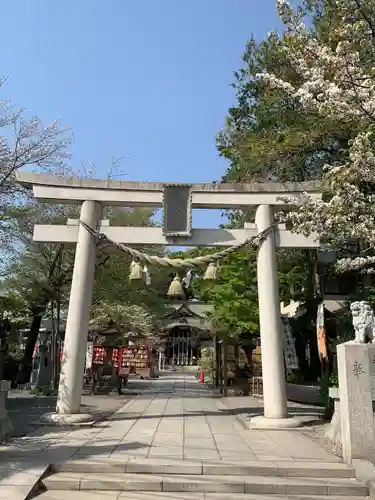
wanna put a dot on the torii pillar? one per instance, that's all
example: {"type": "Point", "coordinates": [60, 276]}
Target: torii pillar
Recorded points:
{"type": "Point", "coordinates": [271, 330]}
{"type": "Point", "coordinates": [73, 365]}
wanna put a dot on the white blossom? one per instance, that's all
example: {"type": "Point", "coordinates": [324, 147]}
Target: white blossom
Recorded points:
{"type": "Point", "coordinates": [122, 317]}
{"type": "Point", "coordinates": [336, 84]}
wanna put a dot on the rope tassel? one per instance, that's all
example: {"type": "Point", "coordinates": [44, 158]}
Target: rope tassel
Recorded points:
{"type": "Point", "coordinates": [176, 288]}
{"type": "Point", "coordinates": [212, 272]}
{"type": "Point", "coordinates": [136, 272]}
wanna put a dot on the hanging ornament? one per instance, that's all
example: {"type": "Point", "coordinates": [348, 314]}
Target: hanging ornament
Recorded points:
{"type": "Point", "coordinates": [136, 272]}
{"type": "Point", "coordinates": [176, 289]}
{"type": "Point", "coordinates": [187, 278]}
{"type": "Point", "coordinates": [212, 272]}
{"type": "Point", "coordinates": [147, 276]}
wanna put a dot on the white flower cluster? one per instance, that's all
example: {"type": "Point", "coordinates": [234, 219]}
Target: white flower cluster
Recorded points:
{"type": "Point", "coordinates": [357, 264]}
{"type": "Point", "coordinates": [337, 84]}
{"type": "Point", "coordinates": [124, 317]}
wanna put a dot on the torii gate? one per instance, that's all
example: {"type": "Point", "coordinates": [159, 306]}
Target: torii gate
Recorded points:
{"type": "Point", "coordinates": [177, 201]}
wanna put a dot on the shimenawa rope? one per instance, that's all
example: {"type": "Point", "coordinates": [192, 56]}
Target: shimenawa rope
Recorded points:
{"type": "Point", "coordinates": [179, 263]}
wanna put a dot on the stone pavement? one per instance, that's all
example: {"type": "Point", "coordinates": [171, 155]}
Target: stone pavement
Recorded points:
{"type": "Point", "coordinates": [177, 417]}
{"type": "Point", "coordinates": [25, 409]}
{"type": "Point", "coordinates": [174, 418]}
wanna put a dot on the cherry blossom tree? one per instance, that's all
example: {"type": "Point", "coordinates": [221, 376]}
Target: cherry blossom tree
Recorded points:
{"type": "Point", "coordinates": [336, 79]}
{"type": "Point", "coordinates": [26, 142]}
{"type": "Point", "coordinates": [122, 318]}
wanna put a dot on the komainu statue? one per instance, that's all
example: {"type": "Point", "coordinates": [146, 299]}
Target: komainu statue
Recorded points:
{"type": "Point", "coordinates": [363, 322]}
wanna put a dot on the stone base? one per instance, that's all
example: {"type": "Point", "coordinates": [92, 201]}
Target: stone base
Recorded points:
{"type": "Point", "coordinates": [262, 422]}
{"type": "Point", "coordinates": [68, 419]}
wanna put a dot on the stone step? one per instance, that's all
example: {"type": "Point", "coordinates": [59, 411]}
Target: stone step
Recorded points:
{"type": "Point", "coordinates": [186, 467]}
{"type": "Point", "coordinates": [142, 495]}
{"type": "Point", "coordinates": [205, 484]}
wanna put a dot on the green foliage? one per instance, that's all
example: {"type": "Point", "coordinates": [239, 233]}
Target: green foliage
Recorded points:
{"type": "Point", "coordinates": [235, 295]}
{"type": "Point", "coordinates": [325, 382]}
{"type": "Point", "coordinates": [207, 362]}
{"type": "Point", "coordinates": [43, 391]}
{"type": "Point", "coordinates": [268, 135]}
{"type": "Point", "coordinates": [41, 273]}
{"type": "Point", "coordinates": [119, 303]}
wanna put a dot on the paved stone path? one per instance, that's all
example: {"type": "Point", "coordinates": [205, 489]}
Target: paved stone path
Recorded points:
{"type": "Point", "coordinates": [25, 409]}
{"type": "Point", "coordinates": [177, 417]}
{"type": "Point", "coordinates": [174, 417]}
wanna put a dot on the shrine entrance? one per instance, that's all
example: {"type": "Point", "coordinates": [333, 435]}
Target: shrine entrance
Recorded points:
{"type": "Point", "coordinates": [181, 347]}
{"type": "Point", "coordinates": [186, 329]}
{"type": "Point", "coordinates": [177, 201]}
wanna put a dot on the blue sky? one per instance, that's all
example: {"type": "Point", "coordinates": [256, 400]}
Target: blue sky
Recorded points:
{"type": "Point", "coordinates": [147, 80]}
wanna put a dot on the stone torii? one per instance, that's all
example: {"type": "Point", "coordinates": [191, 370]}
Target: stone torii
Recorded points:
{"type": "Point", "coordinates": [177, 201]}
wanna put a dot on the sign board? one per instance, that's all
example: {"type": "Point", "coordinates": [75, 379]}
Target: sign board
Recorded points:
{"type": "Point", "coordinates": [291, 360]}
{"type": "Point", "coordinates": [89, 354]}
{"type": "Point", "coordinates": [177, 210]}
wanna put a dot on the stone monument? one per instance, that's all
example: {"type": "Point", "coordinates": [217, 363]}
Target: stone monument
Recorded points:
{"type": "Point", "coordinates": [356, 370]}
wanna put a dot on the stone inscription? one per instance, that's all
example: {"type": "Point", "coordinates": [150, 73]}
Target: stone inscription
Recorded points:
{"type": "Point", "coordinates": [357, 369]}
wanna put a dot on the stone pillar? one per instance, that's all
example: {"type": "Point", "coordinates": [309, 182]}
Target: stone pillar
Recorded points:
{"type": "Point", "coordinates": [72, 370]}
{"type": "Point", "coordinates": [356, 368]}
{"type": "Point", "coordinates": [6, 427]}
{"type": "Point", "coordinates": [271, 331]}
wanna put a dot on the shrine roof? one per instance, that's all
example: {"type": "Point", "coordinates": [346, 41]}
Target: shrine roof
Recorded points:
{"type": "Point", "coordinates": [191, 314]}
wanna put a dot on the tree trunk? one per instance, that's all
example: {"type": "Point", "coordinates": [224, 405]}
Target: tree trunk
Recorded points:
{"type": "Point", "coordinates": [220, 364]}
{"type": "Point", "coordinates": [216, 377]}
{"type": "Point", "coordinates": [26, 363]}
{"type": "Point", "coordinates": [2, 350]}
{"type": "Point", "coordinates": [225, 367]}
{"type": "Point", "coordinates": [2, 359]}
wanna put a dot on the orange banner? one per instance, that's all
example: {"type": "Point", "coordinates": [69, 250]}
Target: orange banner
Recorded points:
{"type": "Point", "coordinates": [321, 333]}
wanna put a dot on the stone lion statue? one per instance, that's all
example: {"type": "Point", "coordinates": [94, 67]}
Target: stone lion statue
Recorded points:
{"type": "Point", "coordinates": [363, 322]}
